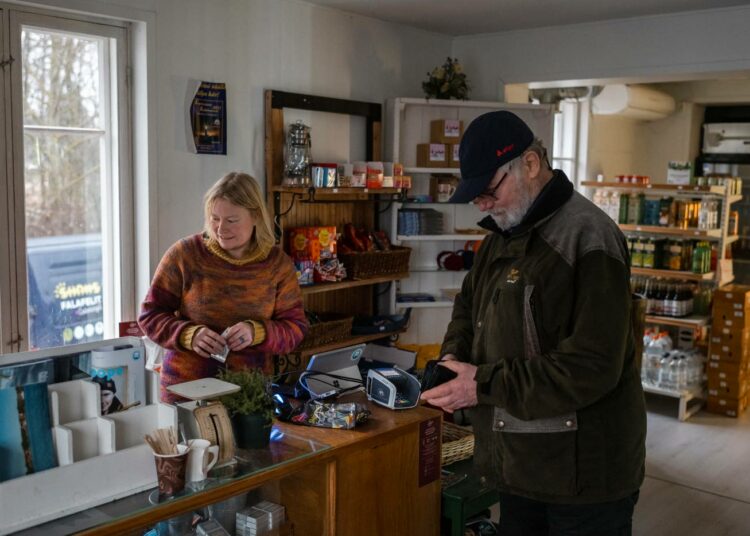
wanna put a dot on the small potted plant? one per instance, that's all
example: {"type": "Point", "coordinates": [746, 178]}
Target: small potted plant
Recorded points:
{"type": "Point", "coordinates": [447, 81]}
{"type": "Point", "coordinates": [250, 408]}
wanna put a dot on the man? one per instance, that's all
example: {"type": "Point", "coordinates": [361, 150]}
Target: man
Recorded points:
{"type": "Point", "coordinates": [542, 343]}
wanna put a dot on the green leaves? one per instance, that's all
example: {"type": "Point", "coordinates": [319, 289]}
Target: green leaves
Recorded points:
{"type": "Point", "coordinates": [447, 81]}
{"type": "Point", "coordinates": [254, 396]}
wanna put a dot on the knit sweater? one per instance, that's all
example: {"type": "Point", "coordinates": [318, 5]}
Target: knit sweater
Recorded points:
{"type": "Point", "coordinates": [194, 286]}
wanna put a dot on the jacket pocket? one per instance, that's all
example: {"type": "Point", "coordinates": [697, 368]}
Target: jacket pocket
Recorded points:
{"type": "Point", "coordinates": [531, 346]}
{"type": "Point", "coordinates": [538, 455]}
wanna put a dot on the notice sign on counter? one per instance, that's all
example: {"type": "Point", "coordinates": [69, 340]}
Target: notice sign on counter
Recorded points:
{"type": "Point", "coordinates": [430, 445]}
{"type": "Point", "coordinates": [208, 117]}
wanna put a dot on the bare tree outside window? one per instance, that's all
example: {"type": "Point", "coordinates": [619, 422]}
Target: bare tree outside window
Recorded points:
{"type": "Point", "coordinates": [63, 133]}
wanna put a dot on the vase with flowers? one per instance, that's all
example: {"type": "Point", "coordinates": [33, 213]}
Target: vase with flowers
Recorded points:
{"type": "Point", "coordinates": [447, 81]}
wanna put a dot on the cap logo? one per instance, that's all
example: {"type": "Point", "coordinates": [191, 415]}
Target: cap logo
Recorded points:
{"type": "Point", "coordinates": [506, 149]}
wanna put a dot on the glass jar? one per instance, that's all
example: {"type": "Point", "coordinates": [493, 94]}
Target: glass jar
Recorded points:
{"type": "Point", "coordinates": [297, 158]}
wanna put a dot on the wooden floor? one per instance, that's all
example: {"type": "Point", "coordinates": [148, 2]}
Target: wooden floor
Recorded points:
{"type": "Point", "coordinates": [697, 474]}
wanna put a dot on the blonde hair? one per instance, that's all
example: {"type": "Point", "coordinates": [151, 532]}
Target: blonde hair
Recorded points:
{"type": "Point", "coordinates": [244, 191]}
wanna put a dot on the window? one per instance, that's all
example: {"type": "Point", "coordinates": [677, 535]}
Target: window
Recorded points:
{"type": "Point", "coordinates": [69, 228]}
{"type": "Point", "coordinates": [570, 139]}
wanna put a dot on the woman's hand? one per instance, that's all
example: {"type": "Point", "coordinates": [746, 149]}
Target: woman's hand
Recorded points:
{"type": "Point", "coordinates": [240, 336]}
{"type": "Point", "coordinates": [207, 342]}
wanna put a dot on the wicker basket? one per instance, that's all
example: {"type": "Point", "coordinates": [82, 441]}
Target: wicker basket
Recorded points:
{"type": "Point", "coordinates": [458, 443]}
{"type": "Point", "coordinates": [369, 264]}
{"type": "Point", "coordinates": [333, 328]}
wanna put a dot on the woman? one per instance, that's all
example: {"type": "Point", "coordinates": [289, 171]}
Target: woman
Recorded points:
{"type": "Point", "coordinates": [228, 286]}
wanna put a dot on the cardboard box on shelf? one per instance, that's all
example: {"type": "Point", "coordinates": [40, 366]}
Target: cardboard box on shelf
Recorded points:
{"type": "Point", "coordinates": [724, 322]}
{"type": "Point", "coordinates": [721, 384]}
{"type": "Point", "coordinates": [733, 296]}
{"type": "Point", "coordinates": [731, 368]}
{"type": "Point", "coordinates": [432, 155]}
{"type": "Point", "coordinates": [731, 407]}
{"type": "Point", "coordinates": [734, 346]}
{"type": "Point", "coordinates": [446, 131]}
{"type": "Point", "coordinates": [453, 160]}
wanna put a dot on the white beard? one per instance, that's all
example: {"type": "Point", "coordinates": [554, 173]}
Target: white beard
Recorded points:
{"type": "Point", "coordinates": [510, 217]}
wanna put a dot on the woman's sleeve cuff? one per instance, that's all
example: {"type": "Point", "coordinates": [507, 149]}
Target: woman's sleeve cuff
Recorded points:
{"type": "Point", "coordinates": [186, 336]}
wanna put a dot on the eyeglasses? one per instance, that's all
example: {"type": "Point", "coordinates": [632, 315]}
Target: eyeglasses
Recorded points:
{"type": "Point", "coordinates": [491, 192]}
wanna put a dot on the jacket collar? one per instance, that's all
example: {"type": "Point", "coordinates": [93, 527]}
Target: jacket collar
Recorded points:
{"type": "Point", "coordinates": [554, 195]}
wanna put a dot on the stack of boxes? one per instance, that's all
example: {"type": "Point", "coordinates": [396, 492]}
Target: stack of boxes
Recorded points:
{"type": "Point", "coordinates": [729, 352]}
{"type": "Point", "coordinates": [442, 151]}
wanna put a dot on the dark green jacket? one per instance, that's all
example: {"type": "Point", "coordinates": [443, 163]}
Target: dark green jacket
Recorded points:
{"type": "Point", "coordinates": [545, 315]}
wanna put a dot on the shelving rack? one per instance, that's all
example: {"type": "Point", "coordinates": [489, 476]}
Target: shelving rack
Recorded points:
{"type": "Point", "coordinates": [689, 400]}
{"type": "Point", "coordinates": [409, 124]}
{"type": "Point", "coordinates": [307, 206]}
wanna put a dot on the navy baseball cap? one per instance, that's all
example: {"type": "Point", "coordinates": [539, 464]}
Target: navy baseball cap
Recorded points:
{"type": "Point", "coordinates": [492, 140]}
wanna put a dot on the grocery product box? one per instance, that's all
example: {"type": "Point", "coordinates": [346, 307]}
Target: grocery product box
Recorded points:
{"type": "Point", "coordinates": [731, 407]}
{"type": "Point", "coordinates": [734, 345]}
{"type": "Point", "coordinates": [311, 243]}
{"type": "Point", "coordinates": [453, 160]}
{"type": "Point", "coordinates": [446, 130]}
{"type": "Point", "coordinates": [725, 321]}
{"type": "Point", "coordinates": [733, 296]}
{"type": "Point", "coordinates": [431, 155]}
{"type": "Point", "coordinates": [731, 368]}
{"type": "Point", "coordinates": [721, 384]}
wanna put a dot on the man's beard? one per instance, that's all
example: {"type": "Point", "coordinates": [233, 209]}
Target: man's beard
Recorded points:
{"type": "Point", "coordinates": [510, 217]}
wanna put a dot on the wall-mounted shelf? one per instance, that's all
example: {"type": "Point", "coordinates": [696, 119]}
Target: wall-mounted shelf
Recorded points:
{"type": "Point", "coordinates": [687, 322]}
{"type": "Point", "coordinates": [691, 232]}
{"type": "Point", "coordinates": [672, 274]}
{"type": "Point", "coordinates": [339, 191]}
{"type": "Point", "coordinates": [432, 171]}
{"type": "Point", "coordinates": [659, 187]}
{"type": "Point", "coordinates": [328, 287]}
{"type": "Point", "coordinates": [443, 237]}
{"type": "Point", "coordinates": [437, 304]}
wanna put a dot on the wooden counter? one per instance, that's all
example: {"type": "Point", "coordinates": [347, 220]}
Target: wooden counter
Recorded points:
{"type": "Point", "coordinates": [367, 482]}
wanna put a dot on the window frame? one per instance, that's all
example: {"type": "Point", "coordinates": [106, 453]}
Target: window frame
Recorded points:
{"type": "Point", "coordinates": [120, 224]}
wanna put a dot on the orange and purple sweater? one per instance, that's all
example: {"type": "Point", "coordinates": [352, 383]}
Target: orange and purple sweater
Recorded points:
{"type": "Point", "coordinates": [195, 285]}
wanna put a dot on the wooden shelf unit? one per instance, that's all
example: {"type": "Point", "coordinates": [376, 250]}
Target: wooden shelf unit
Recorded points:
{"type": "Point", "coordinates": [690, 232]}
{"type": "Point", "coordinates": [308, 206]}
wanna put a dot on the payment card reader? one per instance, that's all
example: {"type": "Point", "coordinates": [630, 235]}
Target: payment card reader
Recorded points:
{"type": "Point", "coordinates": [392, 387]}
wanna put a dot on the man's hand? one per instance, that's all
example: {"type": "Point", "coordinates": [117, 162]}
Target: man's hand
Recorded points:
{"type": "Point", "coordinates": [460, 392]}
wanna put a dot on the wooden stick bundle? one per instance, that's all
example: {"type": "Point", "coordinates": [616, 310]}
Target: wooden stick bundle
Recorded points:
{"type": "Point", "coordinates": [162, 441]}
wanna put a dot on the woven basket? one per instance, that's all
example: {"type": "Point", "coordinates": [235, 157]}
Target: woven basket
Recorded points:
{"type": "Point", "coordinates": [334, 328]}
{"type": "Point", "coordinates": [369, 264]}
{"type": "Point", "coordinates": [458, 443]}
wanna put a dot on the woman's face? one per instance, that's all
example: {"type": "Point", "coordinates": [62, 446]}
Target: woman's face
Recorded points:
{"type": "Point", "coordinates": [232, 226]}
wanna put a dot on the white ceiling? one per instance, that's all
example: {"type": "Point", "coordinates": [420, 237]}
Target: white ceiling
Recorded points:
{"type": "Point", "coordinates": [468, 17]}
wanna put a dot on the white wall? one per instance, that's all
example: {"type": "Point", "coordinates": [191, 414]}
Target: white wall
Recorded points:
{"type": "Point", "coordinates": [267, 44]}
{"type": "Point", "coordinates": [665, 47]}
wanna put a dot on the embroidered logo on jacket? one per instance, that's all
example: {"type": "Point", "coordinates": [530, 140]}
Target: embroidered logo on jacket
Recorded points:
{"type": "Point", "coordinates": [513, 276]}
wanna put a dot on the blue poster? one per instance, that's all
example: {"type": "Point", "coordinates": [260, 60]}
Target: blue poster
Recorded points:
{"type": "Point", "coordinates": [208, 115]}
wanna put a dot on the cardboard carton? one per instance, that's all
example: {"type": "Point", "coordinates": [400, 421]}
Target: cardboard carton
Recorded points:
{"type": "Point", "coordinates": [432, 155]}
{"type": "Point", "coordinates": [446, 131]}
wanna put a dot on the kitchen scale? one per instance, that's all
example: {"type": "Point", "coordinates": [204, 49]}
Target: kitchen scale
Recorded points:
{"type": "Point", "coordinates": [206, 418]}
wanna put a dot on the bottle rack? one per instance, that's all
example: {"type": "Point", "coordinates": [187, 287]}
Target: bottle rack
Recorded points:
{"type": "Point", "coordinates": [689, 400]}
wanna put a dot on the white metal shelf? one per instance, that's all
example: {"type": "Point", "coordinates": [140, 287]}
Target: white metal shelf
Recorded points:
{"type": "Point", "coordinates": [428, 171]}
{"type": "Point", "coordinates": [686, 322]}
{"type": "Point", "coordinates": [684, 396]}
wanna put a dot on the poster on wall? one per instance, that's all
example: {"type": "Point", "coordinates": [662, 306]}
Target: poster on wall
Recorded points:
{"type": "Point", "coordinates": [208, 118]}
